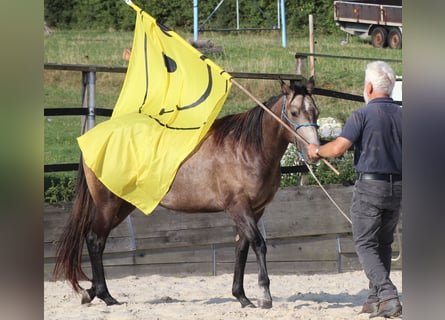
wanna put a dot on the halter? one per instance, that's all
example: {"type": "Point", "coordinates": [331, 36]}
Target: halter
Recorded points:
{"type": "Point", "coordinates": [296, 126]}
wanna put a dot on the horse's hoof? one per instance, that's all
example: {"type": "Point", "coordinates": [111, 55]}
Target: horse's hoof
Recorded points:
{"type": "Point", "coordinates": [110, 301]}
{"type": "Point", "coordinates": [85, 297]}
{"type": "Point", "coordinates": [265, 304]}
{"type": "Point", "coordinates": [246, 303]}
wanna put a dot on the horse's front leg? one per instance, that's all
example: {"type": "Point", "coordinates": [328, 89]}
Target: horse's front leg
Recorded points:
{"type": "Point", "coordinates": [260, 248]}
{"type": "Point", "coordinates": [249, 233]}
{"type": "Point", "coordinates": [241, 251]}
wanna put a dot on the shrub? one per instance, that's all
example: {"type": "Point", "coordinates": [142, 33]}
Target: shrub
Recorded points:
{"type": "Point", "coordinates": [59, 188]}
{"type": "Point", "coordinates": [344, 164]}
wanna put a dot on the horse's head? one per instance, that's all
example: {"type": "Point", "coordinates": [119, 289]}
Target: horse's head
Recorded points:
{"type": "Point", "coordinates": [300, 113]}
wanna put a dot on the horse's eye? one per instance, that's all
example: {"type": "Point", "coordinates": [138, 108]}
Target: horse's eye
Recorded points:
{"type": "Point", "coordinates": [294, 114]}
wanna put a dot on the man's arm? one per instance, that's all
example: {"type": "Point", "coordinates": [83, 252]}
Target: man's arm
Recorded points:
{"type": "Point", "coordinates": [331, 149]}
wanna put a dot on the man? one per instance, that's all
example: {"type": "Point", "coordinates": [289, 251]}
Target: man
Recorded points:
{"type": "Point", "coordinates": [375, 130]}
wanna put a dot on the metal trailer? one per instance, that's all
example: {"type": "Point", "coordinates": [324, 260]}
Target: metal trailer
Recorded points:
{"type": "Point", "coordinates": [380, 19]}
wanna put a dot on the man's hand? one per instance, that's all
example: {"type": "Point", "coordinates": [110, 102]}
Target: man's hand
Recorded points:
{"type": "Point", "coordinates": [312, 151]}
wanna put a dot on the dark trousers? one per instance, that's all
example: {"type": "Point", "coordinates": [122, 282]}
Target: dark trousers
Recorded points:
{"type": "Point", "coordinates": [375, 212]}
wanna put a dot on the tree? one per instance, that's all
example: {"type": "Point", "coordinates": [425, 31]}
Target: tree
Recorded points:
{"type": "Point", "coordinates": [106, 14]}
{"type": "Point", "coordinates": [58, 13]}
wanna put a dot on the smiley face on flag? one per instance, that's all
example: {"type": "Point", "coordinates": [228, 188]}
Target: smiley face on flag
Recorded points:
{"type": "Point", "coordinates": [177, 86]}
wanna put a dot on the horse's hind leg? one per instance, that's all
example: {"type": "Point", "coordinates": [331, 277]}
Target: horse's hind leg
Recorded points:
{"type": "Point", "coordinates": [105, 220]}
{"type": "Point", "coordinates": [96, 245]}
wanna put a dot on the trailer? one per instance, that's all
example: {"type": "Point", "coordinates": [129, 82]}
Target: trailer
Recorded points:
{"type": "Point", "coordinates": [380, 19]}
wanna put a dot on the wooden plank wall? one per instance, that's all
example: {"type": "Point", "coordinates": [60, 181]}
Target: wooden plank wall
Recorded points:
{"type": "Point", "coordinates": [305, 233]}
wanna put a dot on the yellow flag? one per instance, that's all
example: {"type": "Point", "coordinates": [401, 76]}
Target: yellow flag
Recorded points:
{"type": "Point", "coordinates": [170, 97]}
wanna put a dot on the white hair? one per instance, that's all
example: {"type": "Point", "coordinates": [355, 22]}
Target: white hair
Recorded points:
{"type": "Point", "coordinates": [381, 75]}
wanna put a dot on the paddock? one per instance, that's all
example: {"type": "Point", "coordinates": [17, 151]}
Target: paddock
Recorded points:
{"type": "Point", "coordinates": [170, 263]}
{"type": "Point", "coordinates": [330, 296]}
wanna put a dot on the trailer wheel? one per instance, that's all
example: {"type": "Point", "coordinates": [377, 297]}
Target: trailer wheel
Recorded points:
{"type": "Point", "coordinates": [379, 37]}
{"type": "Point", "coordinates": [395, 38]}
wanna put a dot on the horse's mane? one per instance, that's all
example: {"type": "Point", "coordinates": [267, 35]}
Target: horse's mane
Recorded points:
{"type": "Point", "coordinates": [245, 128]}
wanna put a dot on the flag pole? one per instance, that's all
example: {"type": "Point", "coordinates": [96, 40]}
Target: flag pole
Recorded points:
{"type": "Point", "coordinates": [131, 4]}
{"type": "Point", "coordinates": [296, 134]}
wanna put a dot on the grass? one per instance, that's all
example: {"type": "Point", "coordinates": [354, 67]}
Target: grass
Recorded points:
{"type": "Point", "coordinates": [243, 52]}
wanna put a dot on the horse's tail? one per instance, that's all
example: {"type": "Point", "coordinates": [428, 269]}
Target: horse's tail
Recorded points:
{"type": "Point", "coordinates": [69, 250]}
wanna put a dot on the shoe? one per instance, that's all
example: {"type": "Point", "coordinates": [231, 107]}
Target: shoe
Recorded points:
{"type": "Point", "coordinates": [388, 309]}
{"type": "Point", "coordinates": [369, 307]}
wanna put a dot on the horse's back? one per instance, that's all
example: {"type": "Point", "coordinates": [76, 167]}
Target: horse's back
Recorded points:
{"type": "Point", "coordinates": [213, 176]}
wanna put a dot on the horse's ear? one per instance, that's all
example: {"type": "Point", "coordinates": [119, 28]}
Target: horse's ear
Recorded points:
{"type": "Point", "coordinates": [310, 84]}
{"type": "Point", "coordinates": [285, 89]}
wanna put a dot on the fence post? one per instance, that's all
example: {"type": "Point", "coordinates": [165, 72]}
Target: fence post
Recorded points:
{"type": "Point", "coordinates": [133, 244]}
{"type": "Point", "coordinates": [91, 118]}
{"type": "Point", "coordinates": [339, 252]}
{"type": "Point", "coordinates": [213, 259]}
{"type": "Point", "coordinates": [301, 66]}
{"type": "Point", "coordinates": [84, 100]}
{"type": "Point", "coordinates": [311, 43]}
{"type": "Point", "coordinates": [88, 99]}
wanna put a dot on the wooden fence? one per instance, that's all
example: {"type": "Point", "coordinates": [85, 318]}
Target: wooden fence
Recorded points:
{"type": "Point", "coordinates": [304, 232]}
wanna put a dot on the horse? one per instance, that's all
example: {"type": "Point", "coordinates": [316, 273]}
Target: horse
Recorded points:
{"type": "Point", "coordinates": [235, 168]}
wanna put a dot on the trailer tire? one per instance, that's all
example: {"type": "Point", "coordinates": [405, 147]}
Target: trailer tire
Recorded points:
{"type": "Point", "coordinates": [395, 38]}
{"type": "Point", "coordinates": [379, 37]}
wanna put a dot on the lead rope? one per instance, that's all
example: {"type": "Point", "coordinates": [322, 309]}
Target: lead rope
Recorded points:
{"type": "Point", "coordinates": [327, 194]}
{"type": "Point", "coordinates": [341, 211]}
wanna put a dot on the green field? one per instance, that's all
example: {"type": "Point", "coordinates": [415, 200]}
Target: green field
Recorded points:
{"type": "Point", "coordinates": [243, 52]}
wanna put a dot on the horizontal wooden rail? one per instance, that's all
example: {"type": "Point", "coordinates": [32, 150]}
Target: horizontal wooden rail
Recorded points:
{"type": "Point", "coordinates": [65, 112]}
{"type": "Point", "coordinates": [76, 112]}
{"type": "Point", "coordinates": [83, 67]}
{"type": "Point", "coordinates": [324, 55]}
{"type": "Point", "coordinates": [61, 167]}
{"type": "Point", "coordinates": [240, 29]}
{"type": "Point", "coordinates": [239, 75]}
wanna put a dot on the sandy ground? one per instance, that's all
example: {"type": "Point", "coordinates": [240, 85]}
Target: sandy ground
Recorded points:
{"type": "Point", "coordinates": [302, 297]}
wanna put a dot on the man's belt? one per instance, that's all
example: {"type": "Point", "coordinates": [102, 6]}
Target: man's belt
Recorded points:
{"type": "Point", "coordinates": [380, 176]}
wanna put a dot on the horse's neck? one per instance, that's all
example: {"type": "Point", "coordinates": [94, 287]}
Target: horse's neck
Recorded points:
{"type": "Point", "coordinates": [274, 138]}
